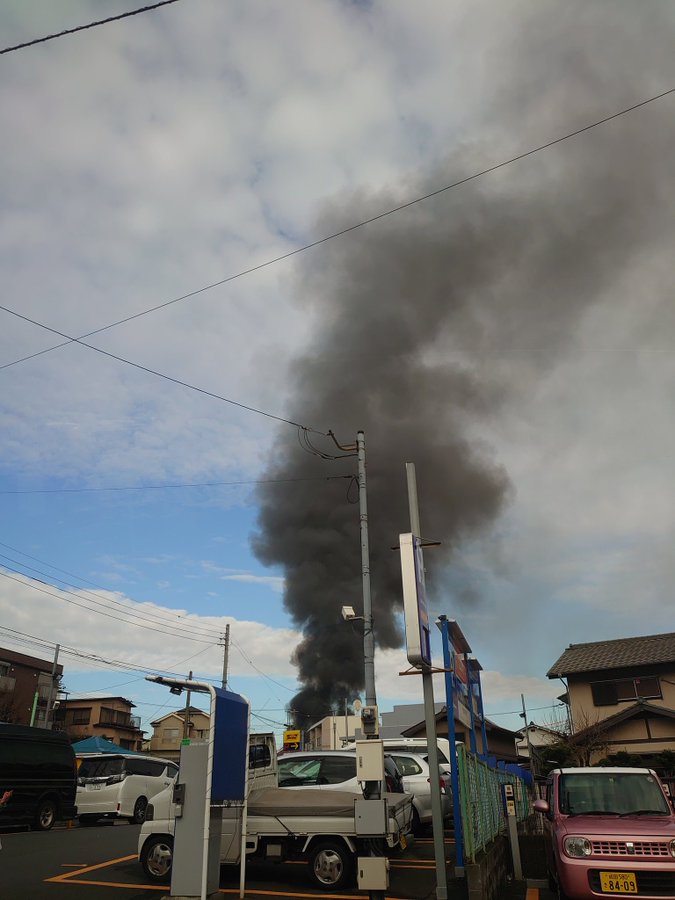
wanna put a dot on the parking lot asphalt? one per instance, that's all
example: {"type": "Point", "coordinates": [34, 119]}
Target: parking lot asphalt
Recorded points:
{"type": "Point", "coordinates": [100, 863]}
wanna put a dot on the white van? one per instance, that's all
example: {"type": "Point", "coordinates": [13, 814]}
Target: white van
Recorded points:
{"type": "Point", "coordinates": [111, 785]}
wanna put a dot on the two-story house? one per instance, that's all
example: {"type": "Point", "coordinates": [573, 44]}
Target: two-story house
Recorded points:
{"type": "Point", "coordinates": [26, 686]}
{"type": "Point", "coordinates": [624, 690]}
{"type": "Point", "coordinates": [106, 717]}
{"type": "Point", "coordinates": [169, 730]}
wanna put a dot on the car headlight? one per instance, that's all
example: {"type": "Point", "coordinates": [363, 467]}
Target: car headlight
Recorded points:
{"type": "Point", "coordinates": [577, 846]}
{"type": "Point", "coordinates": [672, 848]}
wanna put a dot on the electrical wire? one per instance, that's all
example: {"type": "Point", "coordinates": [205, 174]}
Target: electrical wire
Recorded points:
{"type": "Point", "coordinates": [89, 609]}
{"type": "Point", "coordinates": [350, 228]}
{"type": "Point", "coordinates": [161, 617]}
{"type": "Point", "coordinates": [157, 374]}
{"type": "Point", "coordinates": [51, 37]}
{"type": "Point", "coordinates": [161, 487]}
{"type": "Point", "coordinates": [260, 671]}
{"type": "Point", "coordinates": [123, 665]}
{"type": "Point", "coordinates": [83, 594]}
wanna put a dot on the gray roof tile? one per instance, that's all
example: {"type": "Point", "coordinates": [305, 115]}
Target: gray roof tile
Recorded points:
{"type": "Point", "coordinates": [621, 653]}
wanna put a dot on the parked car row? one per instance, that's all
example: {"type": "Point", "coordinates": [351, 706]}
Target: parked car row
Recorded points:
{"type": "Point", "coordinates": [336, 770]}
{"type": "Point", "coordinates": [47, 782]}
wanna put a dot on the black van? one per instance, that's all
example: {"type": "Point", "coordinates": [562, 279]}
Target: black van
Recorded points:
{"type": "Point", "coordinates": [38, 766]}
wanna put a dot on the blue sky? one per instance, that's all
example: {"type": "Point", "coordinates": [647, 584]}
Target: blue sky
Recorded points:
{"type": "Point", "coordinates": [151, 157]}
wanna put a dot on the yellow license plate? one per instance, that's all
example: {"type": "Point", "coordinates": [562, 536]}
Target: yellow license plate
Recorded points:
{"type": "Point", "coordinates": [618, 882]}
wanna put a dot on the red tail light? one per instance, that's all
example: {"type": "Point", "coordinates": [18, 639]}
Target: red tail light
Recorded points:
{"type": "Point", "coordinates": [441, 782]}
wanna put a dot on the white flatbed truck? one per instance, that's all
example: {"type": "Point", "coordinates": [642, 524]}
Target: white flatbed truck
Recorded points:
{"type": "Point", "coordinates": [316, 826]}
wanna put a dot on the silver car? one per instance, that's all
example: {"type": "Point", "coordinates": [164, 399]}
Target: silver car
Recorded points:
{"type": "Point", "coordinates": [414, 769]}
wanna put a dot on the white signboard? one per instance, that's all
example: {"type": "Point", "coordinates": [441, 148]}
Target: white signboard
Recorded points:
{"type": "Point", "coordinates": [417, 636]}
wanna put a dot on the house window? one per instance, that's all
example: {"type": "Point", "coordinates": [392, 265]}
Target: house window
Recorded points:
{"type": "Point", "coordinates": [111, 716]}
{"type": "Point", "coordinates": [81, 716]}
{"type": "Point", "coordinates": [625, 690]}
{"type": "Point", "coordinates": [170, 734]}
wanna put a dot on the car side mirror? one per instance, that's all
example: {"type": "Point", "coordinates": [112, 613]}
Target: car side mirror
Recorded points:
{"type": "Point", "coordinates": [541, 806]}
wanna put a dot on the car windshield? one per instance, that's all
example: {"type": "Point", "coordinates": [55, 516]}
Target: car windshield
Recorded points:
{"type": "Point", "coordinates": [100, 768]}
{"type": "Point", "coordinates": [611, 793]}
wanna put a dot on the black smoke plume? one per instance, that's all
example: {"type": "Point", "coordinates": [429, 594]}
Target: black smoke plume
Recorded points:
{"type": "Point", "coordinates": [430, 321]}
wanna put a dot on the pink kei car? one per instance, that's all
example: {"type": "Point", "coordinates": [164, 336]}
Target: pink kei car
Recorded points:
{"type": "Point", "coordinates": [610, 833]}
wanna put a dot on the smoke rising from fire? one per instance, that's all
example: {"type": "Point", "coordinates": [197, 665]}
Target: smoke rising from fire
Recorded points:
{"type": "Point", "coordinates": [430, 321]}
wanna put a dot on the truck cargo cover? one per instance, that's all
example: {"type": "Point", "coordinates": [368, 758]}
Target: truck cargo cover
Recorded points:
{"type": "Point", "coordinates": [288, 802]}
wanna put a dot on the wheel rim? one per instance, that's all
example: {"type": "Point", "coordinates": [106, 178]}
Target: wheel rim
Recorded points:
{"type": "Point", "coordinates": [159, 860]}
{"type": "Point", "coordinates": [139, 811]}
{"type": "Point", "coordinates": [46, 816]}
{"type": "Point", "coordinates": [328, 866]}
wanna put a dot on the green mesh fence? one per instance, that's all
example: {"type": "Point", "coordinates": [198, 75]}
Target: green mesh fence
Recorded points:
{"type": "Point", "coordinates": [481, 804]}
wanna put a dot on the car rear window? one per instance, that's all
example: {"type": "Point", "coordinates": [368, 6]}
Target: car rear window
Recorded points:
{"type": "Point", "coordinates": [100, 768]}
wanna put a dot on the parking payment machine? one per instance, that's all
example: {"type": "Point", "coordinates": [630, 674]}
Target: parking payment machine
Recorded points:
{"type": "Point", "coordinates": [212, 774]}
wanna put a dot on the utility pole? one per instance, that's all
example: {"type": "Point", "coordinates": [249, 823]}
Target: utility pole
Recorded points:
{"type": "Point", "coordinates": [226, 654]}
{"type": "Point", "coordinates": [48, 723]}
{"type": "Point", "coordinates": [527, 735]}
{"type": "Point", "coordinates": [186, 716]}
{"type": "Point", "coordinates": [368, 634]}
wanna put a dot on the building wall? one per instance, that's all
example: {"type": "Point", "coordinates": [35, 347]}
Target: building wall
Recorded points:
{"type": "Point", "coordinates": [329, 733]}
{"type": "Point", "coordinates": [168, 732]}
{"type": "Point", "coordinates": [583, 708]}
{"type": "Point", "coordinates": [20, 677]}
{"type": "Point", "coordinates": [106, 717]}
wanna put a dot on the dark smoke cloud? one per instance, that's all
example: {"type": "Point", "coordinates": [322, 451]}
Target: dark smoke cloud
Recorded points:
{"type": "Point", "coordinates": [430, 321]}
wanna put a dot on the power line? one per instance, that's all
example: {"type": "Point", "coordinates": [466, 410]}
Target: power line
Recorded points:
{"type": "Point", "coordinates": [88, 655]}
{"type": "Point", "coordinates": [89, 609]}
{"type": "Point", "coordinates": [156, 617]}
{"type": "Point", "coordinates": [142, 368]}
{"type": "Point", "coordinates": [260, 671]}
{"type": "Point", "coordinates": [51, 37]}
{"type": "Point", "coordinates": [83, 594]}
{"type": "Point", "coordinates": [343, 231]}
{"type": "Point", "coordinates": [161, 487]}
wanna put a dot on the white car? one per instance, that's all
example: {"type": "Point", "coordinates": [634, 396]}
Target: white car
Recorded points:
{"type": "Point", "coordinates": [112, 785]}
{"type": "Point", "coordinates": [414, 769]}
{"type": "Point", "coordinates": [336, 770]}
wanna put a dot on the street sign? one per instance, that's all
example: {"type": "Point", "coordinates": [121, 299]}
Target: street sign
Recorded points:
{"type": "Point", "coordinates": [292, 739]}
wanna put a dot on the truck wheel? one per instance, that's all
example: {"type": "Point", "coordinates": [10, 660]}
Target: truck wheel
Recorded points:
{"type": "Point", "coordinates": [330, 864]}
{"type": "Point", "coordinates": [45, 815]}
{"type": "Point", "coordinates": [140, 809]}
{"type": "Point", "coordinates": [157, 858]}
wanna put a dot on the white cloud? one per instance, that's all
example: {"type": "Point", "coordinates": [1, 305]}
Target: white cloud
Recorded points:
{"type": "Point", "coordinates": [272, 581]}
{"type": "Point", "coordinates": [143, 634]}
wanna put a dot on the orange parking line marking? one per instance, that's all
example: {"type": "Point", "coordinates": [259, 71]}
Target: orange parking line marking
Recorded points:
{"type": "Point", "coordinates": [111, 862]}
{"type": "Point", "coordinates": [72, 865]}
{"type": "Point", "coordinates": [68, 877]}
{"type": "Point", "coordinates": [532, 894]}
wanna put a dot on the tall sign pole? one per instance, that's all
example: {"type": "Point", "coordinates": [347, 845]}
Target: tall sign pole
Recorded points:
{"type": "Point", "coordinates": [448, 664]}
{"type": "Point", "coordinates": [419, 654]}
